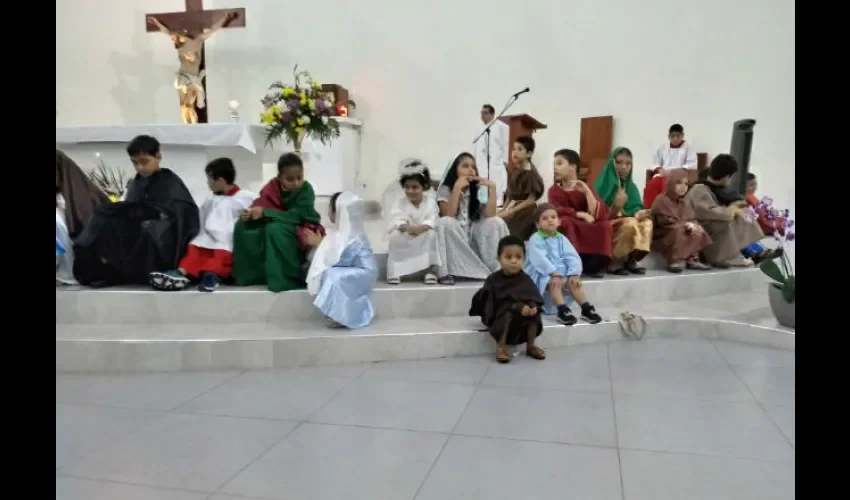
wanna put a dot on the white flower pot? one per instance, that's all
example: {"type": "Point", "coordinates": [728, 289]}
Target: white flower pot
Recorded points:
{"type": "Point", "coordinates": [783, 311]}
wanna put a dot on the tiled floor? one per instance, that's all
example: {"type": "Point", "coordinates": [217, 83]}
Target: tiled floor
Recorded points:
{"type": "Point", "coordinates": [658, 420]}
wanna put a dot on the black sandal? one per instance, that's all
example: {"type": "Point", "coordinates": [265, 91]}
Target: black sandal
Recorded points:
{"type": "Point", "coordinates": [634, 268]}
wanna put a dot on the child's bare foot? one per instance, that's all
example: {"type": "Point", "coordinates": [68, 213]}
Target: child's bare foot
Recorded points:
{"type": "Point", "coordinates": [536, 352]}
{"type": "Point", "coordinates": [502, 355]}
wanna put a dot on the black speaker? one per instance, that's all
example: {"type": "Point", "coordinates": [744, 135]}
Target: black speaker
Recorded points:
{"type": "Point", "coordinates": [742, 146]}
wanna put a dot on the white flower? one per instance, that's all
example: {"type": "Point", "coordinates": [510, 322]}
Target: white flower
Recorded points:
{"type": "Point", "coordinates": [306, 119]}
{"type": "Point", "coordinates": [325, 120]}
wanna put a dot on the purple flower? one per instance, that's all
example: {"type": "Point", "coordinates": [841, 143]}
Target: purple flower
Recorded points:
{"type": "Point", "coordinates": [292, 104]}
{"type": "Point", "coordinates": [767, 201]}
{"type": "Point", "coordinates": [285, 116]}
{"type": "Point", "coordinates": [750, 215]}
{"type": "Point", "coordinates": [790, 236]}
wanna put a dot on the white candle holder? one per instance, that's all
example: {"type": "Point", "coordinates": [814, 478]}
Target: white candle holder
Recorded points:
{"type": "Point", "coordinates": [233, 106]}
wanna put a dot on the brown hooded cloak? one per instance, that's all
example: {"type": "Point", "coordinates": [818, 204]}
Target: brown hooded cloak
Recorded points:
{"type": "Point", "coordinates": [81, 196]}
{"type": "Point", "coordinates": [671, 214]}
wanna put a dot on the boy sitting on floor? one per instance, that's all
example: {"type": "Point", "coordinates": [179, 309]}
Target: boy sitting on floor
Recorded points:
{"type": "Point", "coordinates": [209, 257]}
{"type": "Point", "coordinates": [509, 304]}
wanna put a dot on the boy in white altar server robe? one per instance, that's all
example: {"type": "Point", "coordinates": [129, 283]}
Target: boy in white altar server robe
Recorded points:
{"type": "Point", "coordinates": [669, 156]}
{"type": "Point", "coordinates": [209, 256]}
{"type": "Point", "coordinates": [410, 224]}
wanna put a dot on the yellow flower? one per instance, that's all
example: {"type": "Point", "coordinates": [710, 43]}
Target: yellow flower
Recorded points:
{"type": "Point", "coordinates": [268, 117]}
{"type": "Point", "coordinates": [275, 110]}
{"type": "Point", "coordinates": [317, 86]}
{"type": "Point", "coordinates": [114, 198]}
{"type": "Point", "coordinates": [312, 104]}
{"type": "Point", "coordinates": [287, 92]}
{"type": "Point", "coordinates": [300, 122]}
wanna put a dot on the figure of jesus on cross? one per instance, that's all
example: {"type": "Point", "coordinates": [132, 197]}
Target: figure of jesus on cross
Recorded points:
{"type": "Point", "coordinates": [188, 31]}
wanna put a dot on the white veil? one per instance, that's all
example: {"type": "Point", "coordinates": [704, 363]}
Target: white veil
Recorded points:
{"type": "Point", "coordinates": [349, 225]}
{"type": "Point", "coordinates": [395, 192]}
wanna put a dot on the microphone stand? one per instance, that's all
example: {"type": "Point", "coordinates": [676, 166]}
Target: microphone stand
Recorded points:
{"type": "Point", "coordinates": [486, 131]}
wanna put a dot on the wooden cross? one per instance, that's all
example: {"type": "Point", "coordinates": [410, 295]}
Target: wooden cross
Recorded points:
{"type": "Point", "coordinates": [194, 21]}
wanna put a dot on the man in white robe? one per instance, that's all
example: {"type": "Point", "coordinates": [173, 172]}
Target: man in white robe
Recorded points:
{"type": "Point", "coordinates": [499, 147]}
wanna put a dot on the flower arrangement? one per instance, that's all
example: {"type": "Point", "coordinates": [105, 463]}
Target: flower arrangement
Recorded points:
{"type": "Point", "coordinates": [111, 181]}
{"type": "Point", "coordinates": [782, 224]}
{"type": "Point", "coordinates": [298, 110]}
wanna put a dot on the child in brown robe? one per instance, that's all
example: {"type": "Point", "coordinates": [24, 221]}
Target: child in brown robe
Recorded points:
{"type": "Point", "coordinates": [677, 235]}
{"type": "Point", "coordinates": [510, 304]}
{"type": "Point", "coordinates": [525, 187]}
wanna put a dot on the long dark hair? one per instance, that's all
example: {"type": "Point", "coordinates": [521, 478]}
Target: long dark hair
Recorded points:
{"type": "Point", "coordinates": [451, 178]}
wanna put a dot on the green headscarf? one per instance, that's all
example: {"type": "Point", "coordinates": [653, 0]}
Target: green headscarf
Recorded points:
{"type": "Point", "coordinates": [609, 182]}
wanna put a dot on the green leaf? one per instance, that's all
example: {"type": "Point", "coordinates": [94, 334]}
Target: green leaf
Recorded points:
{"type": "Point", "coordinates": [789, 291]}
{"type": "Point", "coordinates": [772, 271]}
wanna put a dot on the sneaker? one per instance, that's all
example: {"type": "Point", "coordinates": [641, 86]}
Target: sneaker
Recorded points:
{"type": "Point", "coordinates": [168, 281]}
{"type": "Point", "coordinates": [209, 282]}
{"type": "Point", "coordinates": [566, 317]}
{"type": "Point", "coordinates": [588, 313]}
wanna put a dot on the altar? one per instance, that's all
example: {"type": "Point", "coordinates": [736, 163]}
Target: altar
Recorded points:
{"type": "Point", "coordinates": [186, 149]}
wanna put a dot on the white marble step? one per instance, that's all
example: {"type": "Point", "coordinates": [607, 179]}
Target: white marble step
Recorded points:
{"type": "Point", "coordinates": [232, 305]}
{"type": "Point", "coordinates": [94, 348]}
{"type": "Point", "coordinates": [83, 347]}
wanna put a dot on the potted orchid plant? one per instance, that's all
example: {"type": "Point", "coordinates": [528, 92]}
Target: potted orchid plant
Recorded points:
{"type": "Point", "coordinates": [782, 291]}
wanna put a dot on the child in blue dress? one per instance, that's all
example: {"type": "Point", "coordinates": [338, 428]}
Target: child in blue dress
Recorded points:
{"type": "Point", "coordinates": [555, 267]}
{"type": "Point", "coordinates": [343, 270]}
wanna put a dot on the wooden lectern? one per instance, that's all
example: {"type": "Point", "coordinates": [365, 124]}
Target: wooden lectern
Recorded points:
{"type": "Point", "coordinates": [519, 125]}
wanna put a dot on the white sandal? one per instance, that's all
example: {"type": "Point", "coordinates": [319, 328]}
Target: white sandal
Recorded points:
{"type": "Point", "coordinates": [393, 281]}
{"type": "Point", "coordinates": [632, 325]}
{"type": "Point", "coordinates": [430, 279]}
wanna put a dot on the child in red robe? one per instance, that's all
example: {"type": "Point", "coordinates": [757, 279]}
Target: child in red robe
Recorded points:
{"type": "Point", "coordinates": [769, 223]}
{"type": "Point", "coordinates": [584, 218]}
{"type": "Point", "coordinates": [209, 256]}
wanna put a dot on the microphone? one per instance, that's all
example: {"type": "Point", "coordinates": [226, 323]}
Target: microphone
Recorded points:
{"type": "Point", "coordinates": [523, 91]}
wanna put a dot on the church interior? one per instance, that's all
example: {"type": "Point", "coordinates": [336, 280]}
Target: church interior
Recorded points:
{"type": "Point", "coordinates": [685, 389]}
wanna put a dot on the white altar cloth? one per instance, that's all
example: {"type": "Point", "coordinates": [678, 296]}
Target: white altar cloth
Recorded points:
{"type": "Point", "coordinates": [186, 149]}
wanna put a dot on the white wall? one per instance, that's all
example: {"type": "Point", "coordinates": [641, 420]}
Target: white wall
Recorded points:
{"type": "Point", "coordinates": [420, 70]}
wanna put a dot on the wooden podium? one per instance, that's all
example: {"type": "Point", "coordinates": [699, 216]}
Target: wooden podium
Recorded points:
{"type": "Point", "coordinates": [519, 125]}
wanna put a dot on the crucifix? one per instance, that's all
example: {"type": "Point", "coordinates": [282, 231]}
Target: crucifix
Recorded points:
{"type": "Point", "coordinates": [188, 31]}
